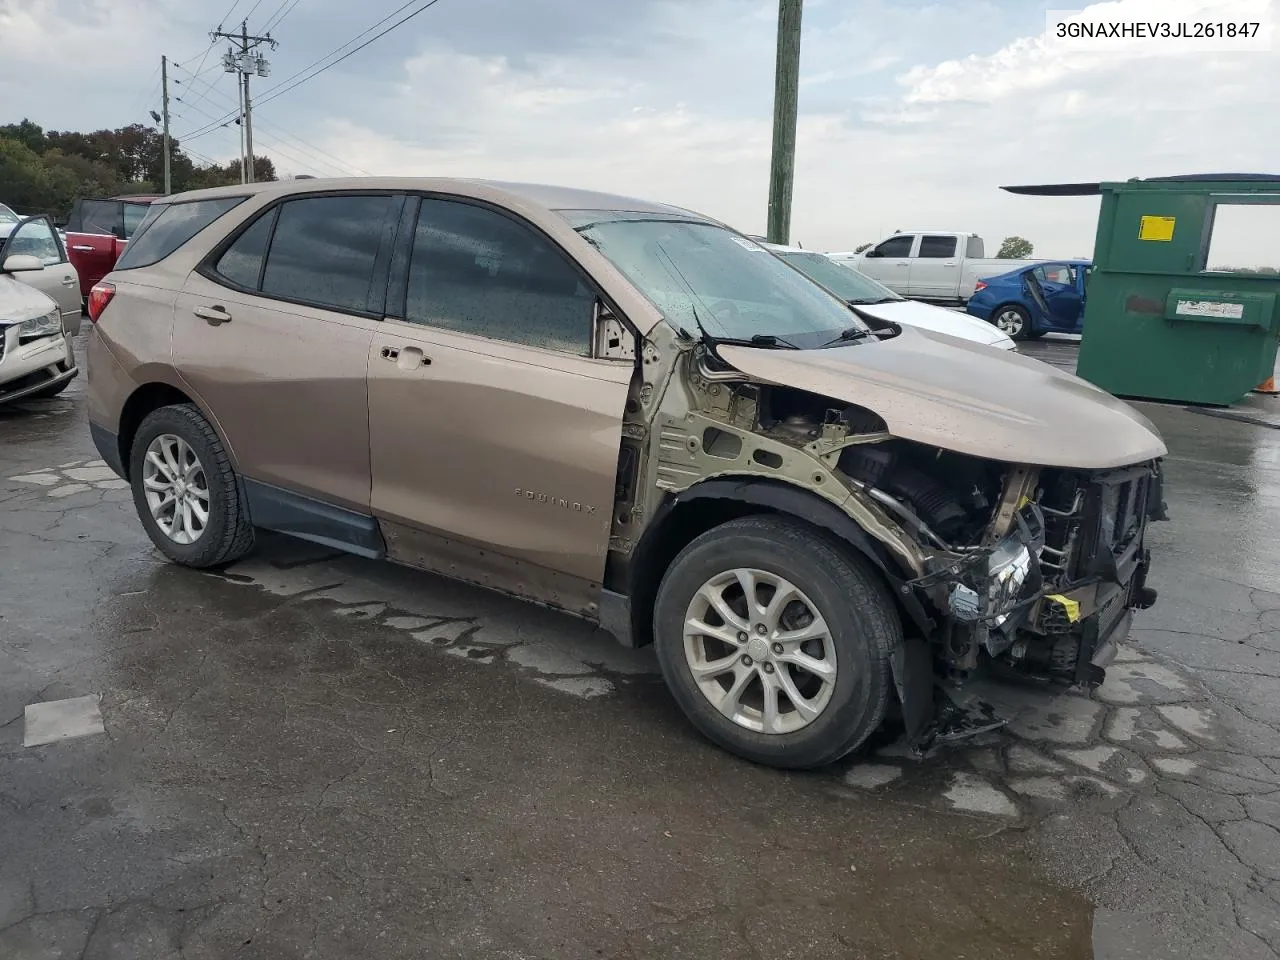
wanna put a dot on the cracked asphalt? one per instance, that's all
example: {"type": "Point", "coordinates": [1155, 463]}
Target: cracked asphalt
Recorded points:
{"type": "Point", "coordinates": [309, 755]}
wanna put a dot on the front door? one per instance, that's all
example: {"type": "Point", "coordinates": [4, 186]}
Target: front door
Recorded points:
{"type": "Point", "coordinates": [275, 342]}
{"type": "Point", "coordinates": [36, 237]}
{"type": "Point", "coordinates": [890, 262]}
{"type": "Point", "coordinates": [935, 269]}
{"type": "Point", "coordinates": [494, 433]}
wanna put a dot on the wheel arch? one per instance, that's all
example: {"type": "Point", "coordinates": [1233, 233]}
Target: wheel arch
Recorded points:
{"type": "Point", "coordinates": [146, 399]}
{"type": "Point", "coordinates": [709, 504]}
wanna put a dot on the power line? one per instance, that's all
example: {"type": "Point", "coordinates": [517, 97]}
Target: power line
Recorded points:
{"type": "Point", "coordinates": [227, 16]}
{"type": "Point", "coordinates": [256, 3]}
{"type": "Point", "coordinates": [277, 18]}
{"type": "Point", "coordinates": [285, 86]}
{"type": "Point", "coordinates": [288, 84]}
{"type": "Point", "coordinates": [304, 161]}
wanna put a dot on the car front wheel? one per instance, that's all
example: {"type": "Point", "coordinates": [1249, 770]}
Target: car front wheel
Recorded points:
{"type": "Point", "coordinates": [186, 491]}
{"type": "Point", "coordinates": [776, 642]}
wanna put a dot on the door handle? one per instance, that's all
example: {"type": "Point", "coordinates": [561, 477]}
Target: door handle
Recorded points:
{"type": "Point", "coordinates": [214, 316]}
{"type": "Point", "coordinates": [69, 281]}
{"type": "Point", "coordinates": [903, 263]}
{"type": "Point", "coordinates": [82, 248]}
{"type": "Point", "coordinates": [408, 358]}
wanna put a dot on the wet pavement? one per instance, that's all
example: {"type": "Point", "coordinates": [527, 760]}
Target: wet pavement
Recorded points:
{"type": "Point", "coordinates": [311, 755]}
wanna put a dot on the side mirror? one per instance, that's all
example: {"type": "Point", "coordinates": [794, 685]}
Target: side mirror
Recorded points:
{"type": "Point", "coordinates": [871, 254]}
{"type": "Point", "coordinates": [22, 263]}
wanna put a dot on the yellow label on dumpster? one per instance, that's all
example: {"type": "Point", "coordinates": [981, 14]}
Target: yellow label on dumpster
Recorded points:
{"type": "Point", "coordinates": [1156, 228]}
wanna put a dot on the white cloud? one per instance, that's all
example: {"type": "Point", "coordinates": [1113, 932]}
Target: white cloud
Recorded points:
{"type": "Point", "coordinates": [679, 108]}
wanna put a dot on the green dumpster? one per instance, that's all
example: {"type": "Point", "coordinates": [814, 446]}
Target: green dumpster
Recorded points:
{"type": "Point", "coordinates": [1184, 299]}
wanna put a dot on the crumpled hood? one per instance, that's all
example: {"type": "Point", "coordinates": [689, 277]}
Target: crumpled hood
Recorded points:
{"type": "Point", "coordinates": [19, 302]}
{"type": "Point", "coordinates": [926, 316]}
{"type": "Point", "coordinates": [951, 393]}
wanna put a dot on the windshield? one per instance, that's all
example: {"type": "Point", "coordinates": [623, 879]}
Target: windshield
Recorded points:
{"type": "Point", "coordinates": [845, 282]}
{"type": "Point", "coordinates": [7, 215]}
{"type": "Point", "coordinates": [702, 275]}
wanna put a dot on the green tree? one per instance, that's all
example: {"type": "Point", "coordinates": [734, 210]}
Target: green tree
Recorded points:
{"type": "Point", "coordinates": [1014, 248]}
{"type": "Point", "coordinates": [860, 247]}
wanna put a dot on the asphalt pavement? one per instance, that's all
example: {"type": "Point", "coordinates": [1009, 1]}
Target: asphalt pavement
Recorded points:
{"type": "Point", "coordinates": [310, 755]}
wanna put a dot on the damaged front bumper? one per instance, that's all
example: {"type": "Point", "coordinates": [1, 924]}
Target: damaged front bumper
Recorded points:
{"type": "Point", "coordinates": [1049, 600]}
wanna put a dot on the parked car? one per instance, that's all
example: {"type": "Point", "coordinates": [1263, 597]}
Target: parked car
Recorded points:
{"type": "Point", "coordinates": [97, 232]}
{"type": "Point", "coordinates": [1034, 300]}
{"type": "Point", "coordinates": [37, 236]}
{"type": "Point", "coordinates": [629, 412]}
{"type": "Point", "coordinates": [928, 264]}
{"type": "Point", "coordinates": [874, 299]}
{"type": "Point", "coordinates": [36, 357]}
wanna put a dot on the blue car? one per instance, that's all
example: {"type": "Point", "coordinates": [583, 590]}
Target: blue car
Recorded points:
{"type": "Point", "coordinates": [1034, 300]}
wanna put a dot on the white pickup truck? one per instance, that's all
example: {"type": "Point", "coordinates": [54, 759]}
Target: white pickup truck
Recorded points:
{"type": "Point", "coordinates": [929, 264]}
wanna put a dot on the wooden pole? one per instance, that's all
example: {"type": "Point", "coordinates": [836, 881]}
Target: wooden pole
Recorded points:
{"type": "Point", "coordinates": [785, 104]}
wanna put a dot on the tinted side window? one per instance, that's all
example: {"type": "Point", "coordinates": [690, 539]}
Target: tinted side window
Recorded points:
{"type": "Point", "coordinates": [937, 248]}
{"type": "Point", "coordinates": [477, 271]}
{"type": "Point", "coordinates": [896, 247]}
{"type": "Point", "coordinates": [174, 225]}
{"type": "Point", "coordinates": [324, 250]}
{"type": "Point", "coordinates": [134, 213]}
{"type": "Point", "coordinates": [242, 261]}
{"type": "Point", "coordinates": [100, 216]}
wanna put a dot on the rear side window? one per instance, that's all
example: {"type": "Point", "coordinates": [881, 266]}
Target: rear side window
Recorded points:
{"type": "Point", "coordinates": [98, 216]}
{"type": "Point", "coordinates": [324, 250]}
{"type": "Point", "coordinates": [169, 226]}
{"type": "Point", "coordinates": [241, 264]}
{"type": "Point", "coordinates": [937, 248]}
{"type": "Point", "coordinates": [134, 214]}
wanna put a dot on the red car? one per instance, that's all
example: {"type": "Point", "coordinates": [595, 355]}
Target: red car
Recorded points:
{"type": "Point", "coordinates": [97, 233]}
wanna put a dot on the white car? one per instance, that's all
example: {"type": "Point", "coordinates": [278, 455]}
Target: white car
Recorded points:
{"type": "Point", "coordinates": [36, 358]}
{"type": "Point", "coordinates": [872, 297]}
{"type": "Point", "coordinates": [38, 237]}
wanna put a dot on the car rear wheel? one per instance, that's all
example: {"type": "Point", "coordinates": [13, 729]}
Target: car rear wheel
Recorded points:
{"type": "Point", "coordinates": [185, 491]}
{"type": "Point", "coordinates": [1013, 321]}
{"type": "Point", "coordinates": [775, 642]}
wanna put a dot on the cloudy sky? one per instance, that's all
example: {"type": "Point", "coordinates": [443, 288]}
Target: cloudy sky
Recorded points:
{"type": "Point", "coordinates": [912, 113]}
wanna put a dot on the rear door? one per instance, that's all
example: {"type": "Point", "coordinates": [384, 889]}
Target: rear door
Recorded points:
{"type": "Point", "coordinates": [272, 333]}
{"type": "Point", "coordinates": [494, 432]}
{"type": "Point", "coordinates": [36, 236]}
{"type": "Point", "coordinates": [935, 268]}
{"type": "Point", "coordinates": [890, 262]}
{"type": "Point", "coordinates": [92, 232]}
{"type": "Point", "coordinates": [1060, 287]}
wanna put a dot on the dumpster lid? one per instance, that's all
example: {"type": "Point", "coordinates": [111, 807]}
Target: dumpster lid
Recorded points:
{"type": "Point", "coordinates": [1095, 189]}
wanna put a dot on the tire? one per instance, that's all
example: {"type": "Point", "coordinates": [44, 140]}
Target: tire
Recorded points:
{"type": "Point", "coordinates": [862, 630]}
{"type": "Point", "coordinates": [1017, 325]}
{"type": "Point", "coordinates": [226, 534]}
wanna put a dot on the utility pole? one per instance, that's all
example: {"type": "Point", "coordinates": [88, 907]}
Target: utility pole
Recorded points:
{"type": "Point", "coordinates": [164, 110]}
{"type": "Point", "coordinates": [245, 63]}
{"type": "Point", "coordinates": [786, 93]}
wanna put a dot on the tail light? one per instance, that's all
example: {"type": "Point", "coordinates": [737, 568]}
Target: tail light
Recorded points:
{"type": "Point", "coordinates": [99, 297]}
{"type": "Point", "coordinates": [979, 286]}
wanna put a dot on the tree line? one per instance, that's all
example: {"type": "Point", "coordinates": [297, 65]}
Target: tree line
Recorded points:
{"type": "Point", "coordinates": [45, 171]}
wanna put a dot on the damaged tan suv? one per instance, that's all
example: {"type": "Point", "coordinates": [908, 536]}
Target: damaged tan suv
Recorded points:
{"type": "Point", "coordinates": [637, 415]}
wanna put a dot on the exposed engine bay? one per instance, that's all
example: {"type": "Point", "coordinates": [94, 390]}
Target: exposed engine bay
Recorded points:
{"type": "Point", "coordinates": [1016, 567]}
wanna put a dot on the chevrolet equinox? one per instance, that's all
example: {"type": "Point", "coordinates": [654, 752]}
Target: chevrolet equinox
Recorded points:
{"type": "Point", "coordinates": [635, 414]}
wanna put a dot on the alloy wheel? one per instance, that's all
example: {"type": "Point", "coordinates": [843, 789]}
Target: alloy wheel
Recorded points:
{"type": "Point", "coordinates": [176, 488]}
{"type": "Point", "coordinates": [1009, 322]}
{"type": "Point", "coordinates": [760, 651]}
